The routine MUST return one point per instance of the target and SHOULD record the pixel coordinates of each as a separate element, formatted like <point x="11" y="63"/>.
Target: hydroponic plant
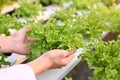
<point x="84" y="4"/>
<point x="28" y="9"/>
<point x="67" y="78"/>
<point x="71" y="30"/>
<point x="3" y="60"/>
<point x="104" y="60"/>
<point x="47" y="2"/>
<point x="54" y="36"/>
<point x="7" y="22"/>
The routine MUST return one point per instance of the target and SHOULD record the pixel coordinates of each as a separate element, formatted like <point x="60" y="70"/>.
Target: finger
<point x="29" y="41"/>
<point x="22" y="33"/>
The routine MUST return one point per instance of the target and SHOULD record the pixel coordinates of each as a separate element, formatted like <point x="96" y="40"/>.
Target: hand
<point x="50" y="60"/>
<point x="16" y="43"/>
<point x="58" y="58"/>
<point x="20" y="41"/>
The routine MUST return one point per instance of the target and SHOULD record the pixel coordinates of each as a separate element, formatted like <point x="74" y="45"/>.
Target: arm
<point x="17" y="72"/>
<point x="49" y="60"/>
<point x="17" y="43"/>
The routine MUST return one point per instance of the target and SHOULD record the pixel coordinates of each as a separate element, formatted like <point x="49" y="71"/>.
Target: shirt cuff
<point x="17" y="72"/>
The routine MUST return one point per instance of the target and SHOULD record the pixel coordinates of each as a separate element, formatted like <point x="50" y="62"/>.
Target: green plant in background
<point x="7" y="22"/>
<point x="109" y="17"/>
<point x="83" y="4"/>
<point x="108" y="2"/>
<point x="66" y="78"/>
<point x="88" y="26"/>
<point x="101" y="18"/>
<point x="60" y="1"/>
<point x="104" y="57"/>
<point x="113" y="19"/>
<point x="28" y="9"/>
<point x="47" y="2"/>
<point x="65" y="14"/>
<point x="89" y="23"/>
<point x="104" y="60"/>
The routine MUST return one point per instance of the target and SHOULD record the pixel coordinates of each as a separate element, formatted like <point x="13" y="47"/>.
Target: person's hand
<point x="20" y="41"/>
<point x="58" y="58"/>
<point x="17" y="42"/>
<point x="50" y="60"/>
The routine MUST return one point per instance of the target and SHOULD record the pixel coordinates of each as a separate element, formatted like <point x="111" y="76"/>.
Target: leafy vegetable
<point x="28" y="9"/>
<point x="71" y="29"/>
<point x="3" y="60"/>
<point x="6" y="22"/>
<point x="54" y="36"/>
<point x="65" y="14"/>
<point x="47" y="2"/>
<point x="66" y="78"/>
<point x="104" y="60"/>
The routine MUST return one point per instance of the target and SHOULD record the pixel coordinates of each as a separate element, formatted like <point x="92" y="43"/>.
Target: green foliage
<point x="65" y="14"/>
<point x="104" y="60"/>
<point x="83" y="4"/>
<point x="28" y="9"/>
<point x="89" y="24"/>
<point x="47" y="2"/>
<point x="113" y="19"/>
<point x="54" y="36"/>
<point x="66" y="78"/>
<point x="71" y="33"/>
<point x="6" y="22"/>
<point x="3" y="61"/>
<point x="108" y="2"/>
<point x="103" y="18"/>
<point x="68" y="30"/>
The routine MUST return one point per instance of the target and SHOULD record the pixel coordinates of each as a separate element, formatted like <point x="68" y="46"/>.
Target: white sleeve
<point x="17" y="72"/>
